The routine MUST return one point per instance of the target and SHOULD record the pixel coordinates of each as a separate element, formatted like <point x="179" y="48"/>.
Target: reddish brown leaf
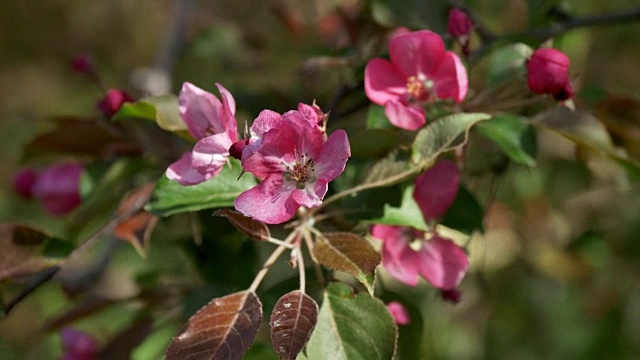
<point x="251" y="228"/>
<point x="223" y="329"/>
<point x="349" y="253"/>
<point x="293" y="319"/>
<point x="136" y="229"/>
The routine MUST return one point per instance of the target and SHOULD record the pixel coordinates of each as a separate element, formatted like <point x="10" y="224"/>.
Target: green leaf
<point x="385" y="168"/>
<point x="508" y="63"/>
<point x="408" y="214"/>
<point x="440" y="136"/>
<point x="350" y="253"/>
<point x="352" y="327"/>
<point x="465" y="214"/>
<point x="170" y="198"/>
<point x="513" y="135"/>
<point x="161" y="109"/>
<point x="377" y="119"/>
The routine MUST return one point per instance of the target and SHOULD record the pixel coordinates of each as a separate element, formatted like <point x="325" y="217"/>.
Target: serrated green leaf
<point x="508" y="63"/>
<point x="408" y="214"/>
<point x="170" y="198"/>
<point x="513" y="135"/>
<point x="352" y="327"/>
<point x="350" y="253"/>
<point x="386" y="168"/>
<point x="440" y="136"/>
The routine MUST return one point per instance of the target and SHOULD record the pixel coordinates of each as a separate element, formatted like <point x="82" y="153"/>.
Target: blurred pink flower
<point x="399" y="312"/>
<point x="82" y="64"/>
<point x="406" y="253"/>
<point x="23" y="182"/>
<point x="451" y="295"/>
<point x="436" y="189"/>
<point x="213" y="124"/>
<point x="420" y="72"/>
<point x="290" y="154"/>
<point x="113" y="101"/>
<point x="57" y="187"/>
<point x="460" y="27"/>
<point x="78" y="345"/>
<point x="548" y="73"/>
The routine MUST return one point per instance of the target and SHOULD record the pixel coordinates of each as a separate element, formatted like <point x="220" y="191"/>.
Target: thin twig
<point x="301" y="269"/>
<point x="270" y="261"/>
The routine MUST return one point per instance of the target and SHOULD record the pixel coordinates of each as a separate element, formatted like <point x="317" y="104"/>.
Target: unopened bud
<point x="548" y="73"/>
<point x="113" y="101"/>
<point x="460" y="27"/>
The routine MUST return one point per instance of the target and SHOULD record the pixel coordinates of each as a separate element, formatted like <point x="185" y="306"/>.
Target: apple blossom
<point x="57" y="187"/>
<point x="78" y="345"/>
<point x="548" y="73"/>
<point x="407" y="253"/>
<point x="290" y="154"/>
<point x="23" y="182"/>
<point x="212" y="123"/>
<point x="113" y="101"/>
<point x="420" y="71"/>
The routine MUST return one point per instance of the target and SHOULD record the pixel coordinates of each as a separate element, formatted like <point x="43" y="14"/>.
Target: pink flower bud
<point x="78" y="345"/>
<point x="548" y="73"/>
<point x="82" y="64"/>
<point x="23" y="182"/>
<point x="57" y="188"/>
<point x="459" y="23"/>
<point x="399" y="312"/>
<point x="236" y="149"/>
<point x="112" y="102"/>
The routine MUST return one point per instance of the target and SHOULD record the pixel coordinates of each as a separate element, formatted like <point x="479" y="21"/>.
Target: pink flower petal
<point x="184" y="173"/>
<point x="311" y="196"/>
<point x="405" y="116"/>
<point x="418" y="52"/>
<point x="436" y="189"/>
<point x="265" y="121"/>
<point x="228" y="112"/>
<point x="400" y="260"/>
<point x="211" y="153"/>
<point x="311" y="113"/>
<point x="442" y="263"/>
<point x="23" y="182"/>
<point x="451" y="80"/>
<point x="201" y="111"/>
<point x="270" y="201"/>
<point x="399" y="313"/>
<point x="383" y="82"/>
<point x="333" y="156"/>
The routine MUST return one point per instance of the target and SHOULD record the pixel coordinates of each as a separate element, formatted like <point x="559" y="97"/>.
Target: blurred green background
<point x="555" y="276"/>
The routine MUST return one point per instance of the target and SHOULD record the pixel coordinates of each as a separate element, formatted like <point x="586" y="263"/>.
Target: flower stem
<point x="271" y="260"/>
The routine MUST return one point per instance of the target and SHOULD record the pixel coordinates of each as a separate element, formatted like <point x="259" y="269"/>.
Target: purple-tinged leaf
<point x="253" y="229"/>
<point x="223" y="329"/>
<point x="349" y="253"/>
<point x="292" y="321"/>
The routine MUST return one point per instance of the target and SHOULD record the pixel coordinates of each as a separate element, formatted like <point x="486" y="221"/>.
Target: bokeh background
<point x="555" y="276"/>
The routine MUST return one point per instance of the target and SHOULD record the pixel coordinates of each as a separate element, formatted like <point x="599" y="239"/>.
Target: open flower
<point x="213" y="124"/>
<point x="290" y="154"/>
<point x="548" y="73"/>
<point x="406" y="253"/>
<point x="420" y="72"/>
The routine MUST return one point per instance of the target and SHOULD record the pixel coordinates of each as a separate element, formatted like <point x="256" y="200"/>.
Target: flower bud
<point x="57" y="188"/>
<point x="548" y="73"/>
<point x="78" y="345"/>
<point x="460" y="27"/>
<point x="23" y="182"/>
<point x="236" y="149"/>
<point x="399" y="313"/>
<point x="112" y="102"/>
<point x="451" y="295"/>
<point x="82" y="64"/>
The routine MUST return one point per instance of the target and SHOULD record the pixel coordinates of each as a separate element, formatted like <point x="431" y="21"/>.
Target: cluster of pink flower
<point x="290" y="152"/>
<point x="56" y="186"/>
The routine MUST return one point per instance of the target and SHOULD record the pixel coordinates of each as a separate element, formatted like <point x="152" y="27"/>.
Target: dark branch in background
<point x="566" y="22"/>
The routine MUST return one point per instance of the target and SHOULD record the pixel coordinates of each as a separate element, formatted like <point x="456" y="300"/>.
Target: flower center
<point x="418" y="87"/>
<point x="301" y="171"/>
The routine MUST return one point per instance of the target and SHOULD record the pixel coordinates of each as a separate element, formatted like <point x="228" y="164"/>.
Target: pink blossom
<point x="82" y="64"/>
<point x="420" y="72"/>
<point x="451" y="295"/>
<point x="113" y="101"/>
<point x="57" y="188"/>
<point x="406" y="253"/>
<point x="212" y="123"/>
<point x="78" y="345"/>
<point x="436" y="189"/>
<point x="548" y="73"/>
<point x="23" y="182"/>
<point x="460" y="27"/>
<point x="399" y="313"/>
<point x="290" y="154"/>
